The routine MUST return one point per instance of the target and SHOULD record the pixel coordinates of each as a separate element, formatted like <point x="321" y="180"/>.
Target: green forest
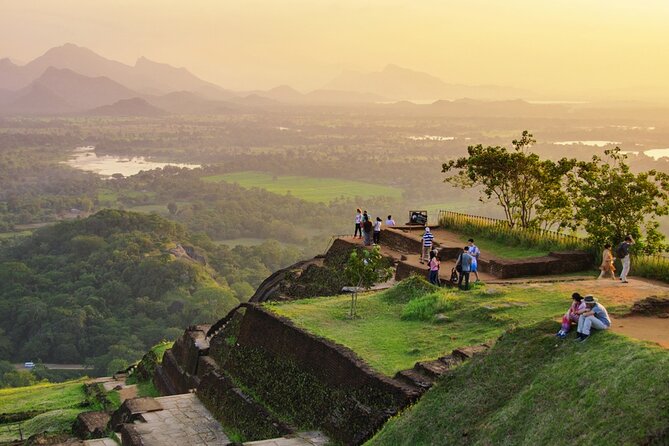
<point x="103" y="289"/>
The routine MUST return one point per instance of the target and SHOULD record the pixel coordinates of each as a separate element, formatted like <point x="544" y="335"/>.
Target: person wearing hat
<point x="427" y="245"/>
<point x="595" y="316"/>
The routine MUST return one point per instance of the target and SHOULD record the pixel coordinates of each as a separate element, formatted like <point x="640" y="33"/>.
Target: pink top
<point x="575" y="306"/>
<point x="434" y="265"/>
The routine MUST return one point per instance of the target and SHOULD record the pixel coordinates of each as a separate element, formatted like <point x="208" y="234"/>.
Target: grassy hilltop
<point x="529" y="389"/>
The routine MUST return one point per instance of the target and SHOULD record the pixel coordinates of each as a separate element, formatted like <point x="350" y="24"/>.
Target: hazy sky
<point x="558" y="45"/>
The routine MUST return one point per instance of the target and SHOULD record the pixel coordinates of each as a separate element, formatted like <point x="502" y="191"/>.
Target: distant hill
<point x="399" y="83"/>
<point x="186" y="102"/>
<point x="62" y="91"/>
<point x="127" y="107"/>
<point x="36" y="99"/>
<point x="145" y="76"/>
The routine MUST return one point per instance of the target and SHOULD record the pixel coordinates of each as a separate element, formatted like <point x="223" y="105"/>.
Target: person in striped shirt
<point x="427" y="245"/>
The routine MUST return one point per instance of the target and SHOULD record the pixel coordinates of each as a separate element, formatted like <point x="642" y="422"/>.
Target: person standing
<point x="377" y="230"/>
<point x="427" y="244"/>
<point x="434" y="264"/>
<point x="607" y="263"/>
<point x="390" y="221"/>
<point x="465" y="263"/>
<point x="358" y="223"/>
<point x="623" y="253"/>
<point x="367" y="228"/>
<point x="595" y="316"/>
<point x="475" y="252"/>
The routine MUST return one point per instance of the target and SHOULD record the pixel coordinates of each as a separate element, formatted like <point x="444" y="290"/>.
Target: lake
<point x="85" y="158"/>
<point x="587" y="143"/>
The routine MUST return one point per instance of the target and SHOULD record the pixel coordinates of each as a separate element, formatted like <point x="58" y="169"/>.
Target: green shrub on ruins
<point x="531" y="389"/>
<point x="424" y="308"/>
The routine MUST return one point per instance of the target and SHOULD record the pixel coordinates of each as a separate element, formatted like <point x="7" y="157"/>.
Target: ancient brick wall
<point x="312" y="380"/>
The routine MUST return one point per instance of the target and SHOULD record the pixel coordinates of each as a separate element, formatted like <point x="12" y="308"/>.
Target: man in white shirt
<point x="390" y="221"/>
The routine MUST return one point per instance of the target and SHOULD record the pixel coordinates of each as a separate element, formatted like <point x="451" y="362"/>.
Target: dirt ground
<point x="646" y="328"/>
<point x="615" y="293"/>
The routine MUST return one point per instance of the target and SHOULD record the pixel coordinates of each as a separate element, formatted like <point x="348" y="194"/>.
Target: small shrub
<point x="409" y="289"/>
<point x="424" y="308"/>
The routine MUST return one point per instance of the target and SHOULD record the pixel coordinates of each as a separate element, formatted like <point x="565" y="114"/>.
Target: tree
<point x="612" y="202"/>
<point x="365" y="268"/>
<point x="529" y="190"/>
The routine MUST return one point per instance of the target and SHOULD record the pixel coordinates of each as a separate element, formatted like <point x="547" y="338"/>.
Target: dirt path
<point x="645" y="328"/>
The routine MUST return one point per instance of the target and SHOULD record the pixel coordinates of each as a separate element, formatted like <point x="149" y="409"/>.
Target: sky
<point x="556" y="46"/>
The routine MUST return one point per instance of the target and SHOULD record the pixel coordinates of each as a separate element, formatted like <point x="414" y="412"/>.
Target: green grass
<point x="54" y="421"/>
<point x="15" y="234"/>
<point x="307" y="188"/>
<point x="56" y="404"/>
<point x="42" y="397"/>
<point x="531" y="389"/>
<point x="389" y="342"/>
<point x="499" y="249"/>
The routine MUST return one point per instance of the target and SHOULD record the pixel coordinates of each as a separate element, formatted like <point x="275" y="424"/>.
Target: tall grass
<point x="500" y="231"/>
<point x="651" y="267"/>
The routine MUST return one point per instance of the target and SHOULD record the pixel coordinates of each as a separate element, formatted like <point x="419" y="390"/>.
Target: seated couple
<point x="587" y="314"/>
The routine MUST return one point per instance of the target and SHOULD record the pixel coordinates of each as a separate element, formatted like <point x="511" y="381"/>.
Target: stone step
<point x="101" y="442"/>
<point x="433" y="369"/>
<point x="415" y="378"/>
<point x="450" y="361"/>
<point x="465" y="353"/>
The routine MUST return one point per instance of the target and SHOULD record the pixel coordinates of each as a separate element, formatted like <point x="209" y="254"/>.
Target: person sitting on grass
<point x="572" y="315"/>
<point x="464" y="263"/>
<point x="595" y="316"/>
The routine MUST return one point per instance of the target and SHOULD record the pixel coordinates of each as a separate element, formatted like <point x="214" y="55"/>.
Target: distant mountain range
<point x="74" y="80"/>
<point x="399" y="83"/>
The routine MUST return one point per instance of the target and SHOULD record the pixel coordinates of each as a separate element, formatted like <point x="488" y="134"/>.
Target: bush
<point x="424" y="308"/>
<point x="409" y="289"/>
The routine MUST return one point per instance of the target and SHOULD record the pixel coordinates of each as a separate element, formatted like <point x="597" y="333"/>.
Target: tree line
<point x="601" y="196"/>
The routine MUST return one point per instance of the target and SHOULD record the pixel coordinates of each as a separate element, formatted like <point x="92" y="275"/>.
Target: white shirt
<point x="390" y="222"/>
<point x="377" y="226"/>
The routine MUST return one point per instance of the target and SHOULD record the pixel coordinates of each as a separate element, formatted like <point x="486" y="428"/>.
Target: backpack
<point x="454" y="276"/>
<point x="620" y="253"/>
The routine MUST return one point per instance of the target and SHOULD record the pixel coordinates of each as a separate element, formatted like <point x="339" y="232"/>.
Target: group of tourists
<point x="623" y="253"/>
<point x="586" y="313"/>
<point x="368" y="231"/>
<point x="466" y="263"/>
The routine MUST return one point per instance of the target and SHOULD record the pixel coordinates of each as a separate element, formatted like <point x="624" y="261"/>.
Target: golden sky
<point x="547" y="46"/>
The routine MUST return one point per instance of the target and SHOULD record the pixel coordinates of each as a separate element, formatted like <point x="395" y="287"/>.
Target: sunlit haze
<point x="614" y="49"/>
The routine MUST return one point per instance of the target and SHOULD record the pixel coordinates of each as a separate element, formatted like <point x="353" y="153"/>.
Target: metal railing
<point x="500" y="230"/>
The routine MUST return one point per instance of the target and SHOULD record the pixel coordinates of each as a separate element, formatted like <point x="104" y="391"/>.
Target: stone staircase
<point x="424" y="373"/>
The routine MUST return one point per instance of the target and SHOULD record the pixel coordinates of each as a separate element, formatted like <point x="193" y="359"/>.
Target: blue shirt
<point x="427" y="239"/>
<point x="601" y="314"/>
<point x="466" y="262"/>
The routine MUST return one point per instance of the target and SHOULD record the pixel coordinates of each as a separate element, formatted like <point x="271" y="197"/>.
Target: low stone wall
<point x="552" y="264"/>
<point x="403" y="240"/>
<point x="178" y="371"/>
<point x="311" y="381"/>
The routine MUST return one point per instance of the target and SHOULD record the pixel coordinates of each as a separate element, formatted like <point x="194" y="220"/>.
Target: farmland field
<point x="308" y="188"/>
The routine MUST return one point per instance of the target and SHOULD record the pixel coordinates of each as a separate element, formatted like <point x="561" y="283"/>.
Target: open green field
<point x="307" y="188"/>
<point x="396" y="327"/>
<point x="42" y="397"/>
<point x="56" y="406"/>
<point x="530" y="389"/>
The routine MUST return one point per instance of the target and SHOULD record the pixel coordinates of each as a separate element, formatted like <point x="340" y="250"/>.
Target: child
<point x="433" y="264"/>
<point x="377" y="230"/>
<point x="577" y="307"/>
<point x="607" y="263"/>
